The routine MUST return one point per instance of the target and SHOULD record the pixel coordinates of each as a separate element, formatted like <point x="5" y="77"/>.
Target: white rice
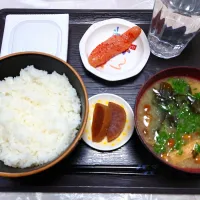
<point x="39" y="117"/>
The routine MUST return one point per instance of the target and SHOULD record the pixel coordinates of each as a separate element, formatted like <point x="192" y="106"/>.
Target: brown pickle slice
<point x="101" y="122"/>
<point x="118" y="120"/>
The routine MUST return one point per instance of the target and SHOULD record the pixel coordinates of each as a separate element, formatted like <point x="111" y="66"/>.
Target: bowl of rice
<point x="43" y="112"/>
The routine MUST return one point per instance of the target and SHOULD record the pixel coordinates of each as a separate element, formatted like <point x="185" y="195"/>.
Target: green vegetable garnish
<point x="180" y="86"/>
<point x="197" y="95"/>
<point x="189" y="122"/>
<point x="180" y="152"/>
<point x="161" y="142"/>
<point x="181" y="117"/>
<point x="197" y="148"/>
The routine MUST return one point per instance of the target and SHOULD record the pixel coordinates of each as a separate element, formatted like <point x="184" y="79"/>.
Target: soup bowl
<point x="167" y="73"/>
<point x="11" y="65"/>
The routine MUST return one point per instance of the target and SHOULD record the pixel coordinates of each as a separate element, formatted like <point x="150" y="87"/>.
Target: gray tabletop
<point x="79" y="196"/>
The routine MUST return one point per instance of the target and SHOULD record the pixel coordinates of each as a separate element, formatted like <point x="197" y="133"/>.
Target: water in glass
<point x="174" y="24"/>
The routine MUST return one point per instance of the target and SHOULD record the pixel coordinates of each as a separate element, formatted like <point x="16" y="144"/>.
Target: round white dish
<point x="126" y="134"/>
<point x="129" y="63"/>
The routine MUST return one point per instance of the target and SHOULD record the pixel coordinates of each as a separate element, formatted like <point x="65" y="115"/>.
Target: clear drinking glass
<point x="174" y="24"/>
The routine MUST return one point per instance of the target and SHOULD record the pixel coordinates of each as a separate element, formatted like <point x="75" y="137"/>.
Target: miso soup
<point x="169" y="120"/>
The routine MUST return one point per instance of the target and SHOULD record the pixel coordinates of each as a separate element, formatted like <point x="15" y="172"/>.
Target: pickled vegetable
<point x="118" y="120"/>
<point x="101" y="122"/>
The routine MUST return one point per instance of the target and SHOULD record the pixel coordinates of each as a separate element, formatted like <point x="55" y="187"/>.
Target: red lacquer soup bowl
<point x="167" y="73"/>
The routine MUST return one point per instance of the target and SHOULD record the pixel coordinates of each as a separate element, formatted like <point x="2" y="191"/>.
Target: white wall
<point x="78" y="4"/>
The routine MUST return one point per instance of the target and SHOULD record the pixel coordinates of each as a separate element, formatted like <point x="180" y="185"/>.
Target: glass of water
<point x="174" y="24"/>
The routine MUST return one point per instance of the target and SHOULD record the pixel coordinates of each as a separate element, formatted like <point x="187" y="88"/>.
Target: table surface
<point x="85" y="4"/>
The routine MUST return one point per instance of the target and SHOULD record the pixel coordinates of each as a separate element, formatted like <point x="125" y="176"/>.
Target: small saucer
<point x="122" y="66"/>
<point x="126" y="134"/>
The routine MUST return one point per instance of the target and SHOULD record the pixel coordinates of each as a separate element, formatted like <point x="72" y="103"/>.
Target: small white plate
<point x="126" y="134"/>
<point x="130" y="62"/>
